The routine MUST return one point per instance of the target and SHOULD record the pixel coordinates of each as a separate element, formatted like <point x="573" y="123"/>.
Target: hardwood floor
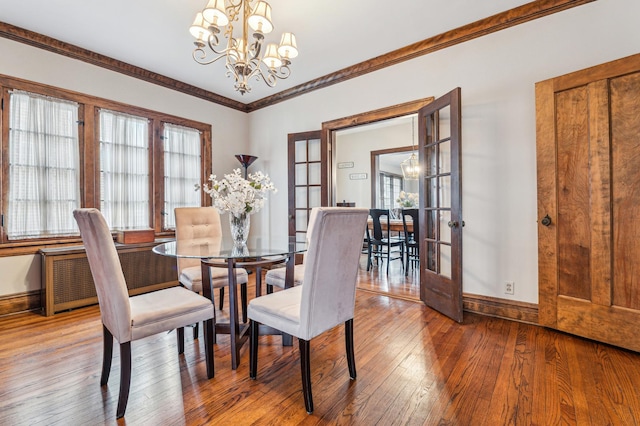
<point x="414" y="367"/>
<point x="395" y="284"/>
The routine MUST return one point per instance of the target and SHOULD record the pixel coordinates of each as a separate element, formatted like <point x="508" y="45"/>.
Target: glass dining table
<point x="259" y="252"/>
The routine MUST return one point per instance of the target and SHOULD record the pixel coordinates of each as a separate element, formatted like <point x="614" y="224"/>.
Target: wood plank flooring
<point x="414" y="367"/>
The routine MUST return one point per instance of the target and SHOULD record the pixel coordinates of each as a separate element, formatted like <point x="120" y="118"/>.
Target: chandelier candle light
<point x="243" y="57"/>
<point x="240" y="198"/>
<point x="411" y="166"/>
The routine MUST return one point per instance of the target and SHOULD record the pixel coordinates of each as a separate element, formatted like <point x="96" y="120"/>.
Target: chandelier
<point x="411" y="166"/>
<point x="245" y="59"/>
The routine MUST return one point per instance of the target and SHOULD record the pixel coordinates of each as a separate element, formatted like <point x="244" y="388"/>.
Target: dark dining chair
<point x="381" y="245"/>
<point x="411" y="239"/>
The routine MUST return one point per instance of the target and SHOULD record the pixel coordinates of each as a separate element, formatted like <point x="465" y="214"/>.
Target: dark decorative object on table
<point x="246" y="160"/>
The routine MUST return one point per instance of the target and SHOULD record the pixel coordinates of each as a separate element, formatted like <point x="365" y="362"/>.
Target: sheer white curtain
<point x="182" y="160"/>
<point x="43" y="166"/>
<point x="124" y="170"/>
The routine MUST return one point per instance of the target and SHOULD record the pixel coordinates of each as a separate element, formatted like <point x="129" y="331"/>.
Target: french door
<point x="441" y="205"/>
<point x="307" y="177"/>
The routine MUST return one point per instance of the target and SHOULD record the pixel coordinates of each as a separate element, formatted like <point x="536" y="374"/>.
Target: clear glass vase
<point x="239" y="228"/>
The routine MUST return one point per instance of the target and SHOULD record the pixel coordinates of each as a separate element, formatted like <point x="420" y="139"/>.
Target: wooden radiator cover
<point x="67" y="282"/>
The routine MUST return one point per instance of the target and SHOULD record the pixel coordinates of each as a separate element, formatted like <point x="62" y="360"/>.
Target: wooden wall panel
<point x="625" y="137"/>
<point x="574" y="237"/>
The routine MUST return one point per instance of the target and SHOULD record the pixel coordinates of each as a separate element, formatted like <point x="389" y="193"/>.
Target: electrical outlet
<point x="509" y="287"/>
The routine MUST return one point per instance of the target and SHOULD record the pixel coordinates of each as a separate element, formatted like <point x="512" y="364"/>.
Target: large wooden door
<point x="307" y="177"/>
<point x="441" y="205"/>
<point x="588" y="153"/>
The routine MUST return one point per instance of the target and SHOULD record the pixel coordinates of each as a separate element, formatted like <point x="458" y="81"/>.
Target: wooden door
<point x="441" y="205"/>
<point x="307" y="177"/>
<point x="588" y="153"/>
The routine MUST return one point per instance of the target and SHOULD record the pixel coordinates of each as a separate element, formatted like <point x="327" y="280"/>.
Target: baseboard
<point x="21" y="302"/>
<point x="501" y="308"/>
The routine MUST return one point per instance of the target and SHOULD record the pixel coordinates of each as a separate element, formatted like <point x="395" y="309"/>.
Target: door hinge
<point x="2" y="221"/>
<point x="2" y="104"/>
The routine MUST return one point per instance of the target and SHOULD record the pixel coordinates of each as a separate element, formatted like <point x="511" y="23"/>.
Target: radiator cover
<point x="67" y="282"/>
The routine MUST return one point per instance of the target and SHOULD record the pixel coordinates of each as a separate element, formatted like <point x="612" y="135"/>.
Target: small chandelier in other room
<point x="411" y="166"/>
<point x="244" y="58"/>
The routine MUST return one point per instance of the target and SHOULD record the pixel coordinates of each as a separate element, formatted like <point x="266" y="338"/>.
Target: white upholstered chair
<point x="326" y="297"/>
<point x="195" y="226"/>
<point x="276" y="277"/>
<point x="131" y="318"/>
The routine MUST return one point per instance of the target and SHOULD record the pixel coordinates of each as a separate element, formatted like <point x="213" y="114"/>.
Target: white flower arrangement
<point x="237" y="195"/>
<point x="408" y="199"/>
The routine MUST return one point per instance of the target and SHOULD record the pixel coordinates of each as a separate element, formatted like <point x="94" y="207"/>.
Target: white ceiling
<point x="331" y="34"/>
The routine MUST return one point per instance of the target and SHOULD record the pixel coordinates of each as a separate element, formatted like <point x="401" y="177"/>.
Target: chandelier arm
<point x="212" y="45"/>
<point x="201" y="57"/>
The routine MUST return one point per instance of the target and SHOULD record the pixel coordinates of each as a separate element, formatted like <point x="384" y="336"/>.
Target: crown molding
<point x="53" y="45"/>
<point x="510" y="18"/>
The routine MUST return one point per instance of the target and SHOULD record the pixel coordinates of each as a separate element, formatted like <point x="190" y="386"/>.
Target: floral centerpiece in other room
<point x="240" y="198"/>
<point x="408" y="200"/>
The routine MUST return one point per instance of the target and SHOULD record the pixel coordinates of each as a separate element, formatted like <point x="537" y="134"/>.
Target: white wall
<point x="497" y="74"/>
<point x="356" y="147"/>
<point x="229" y="127"/>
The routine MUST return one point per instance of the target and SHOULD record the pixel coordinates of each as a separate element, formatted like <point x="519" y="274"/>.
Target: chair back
<point x="106" y="270"/>
<point x="413" y="213"/>
<point x="196" y="226"/>
<point x="331" y="268"/>
<point x="377" y="215"/>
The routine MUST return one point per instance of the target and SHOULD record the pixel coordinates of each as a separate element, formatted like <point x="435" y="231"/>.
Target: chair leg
<point x="305" y="367"/>
<point x="125" y="378"/>
<point x="348" y="337"/>
<point x="107" y="354"/>
<point x="243" y="299"/>
<point x="388" y="258"/>
<point x="369" y="253"/>
<point x="196" y="331"/>
<point x="406" y="268"/>
<point x="253" y="350"/>
<point x="221" y="298"/>
<point x="180" y="335"/>
<point x="209" y="336"/>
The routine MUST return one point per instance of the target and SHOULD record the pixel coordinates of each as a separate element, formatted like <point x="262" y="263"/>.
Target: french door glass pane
<point x="445" y="260"/>
<point x="301" y="197"/>
<point x="301" y="151"/>
<point x="314" y="196"/>
<point x="445" y="231"/>
<point x="314" y="174"/>
<point x="314" y="150"/>
<point x="445" y="157"/>
<point x="301" y="174"/>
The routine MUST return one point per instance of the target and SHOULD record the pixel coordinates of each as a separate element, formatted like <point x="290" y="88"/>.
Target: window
<point x="124" y="170"/>
<point x="182" y="160"/>
<point x="390" y="187"/>
<point x="44" y="164"/>
<point x="65" y="150"/>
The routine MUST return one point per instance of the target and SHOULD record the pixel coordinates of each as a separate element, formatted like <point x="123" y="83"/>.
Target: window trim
<point x="88" y="134"/>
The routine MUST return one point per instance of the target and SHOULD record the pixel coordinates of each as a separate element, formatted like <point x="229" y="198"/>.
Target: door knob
<point x="546" y="221"/>
<point x="453" y="224"/>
